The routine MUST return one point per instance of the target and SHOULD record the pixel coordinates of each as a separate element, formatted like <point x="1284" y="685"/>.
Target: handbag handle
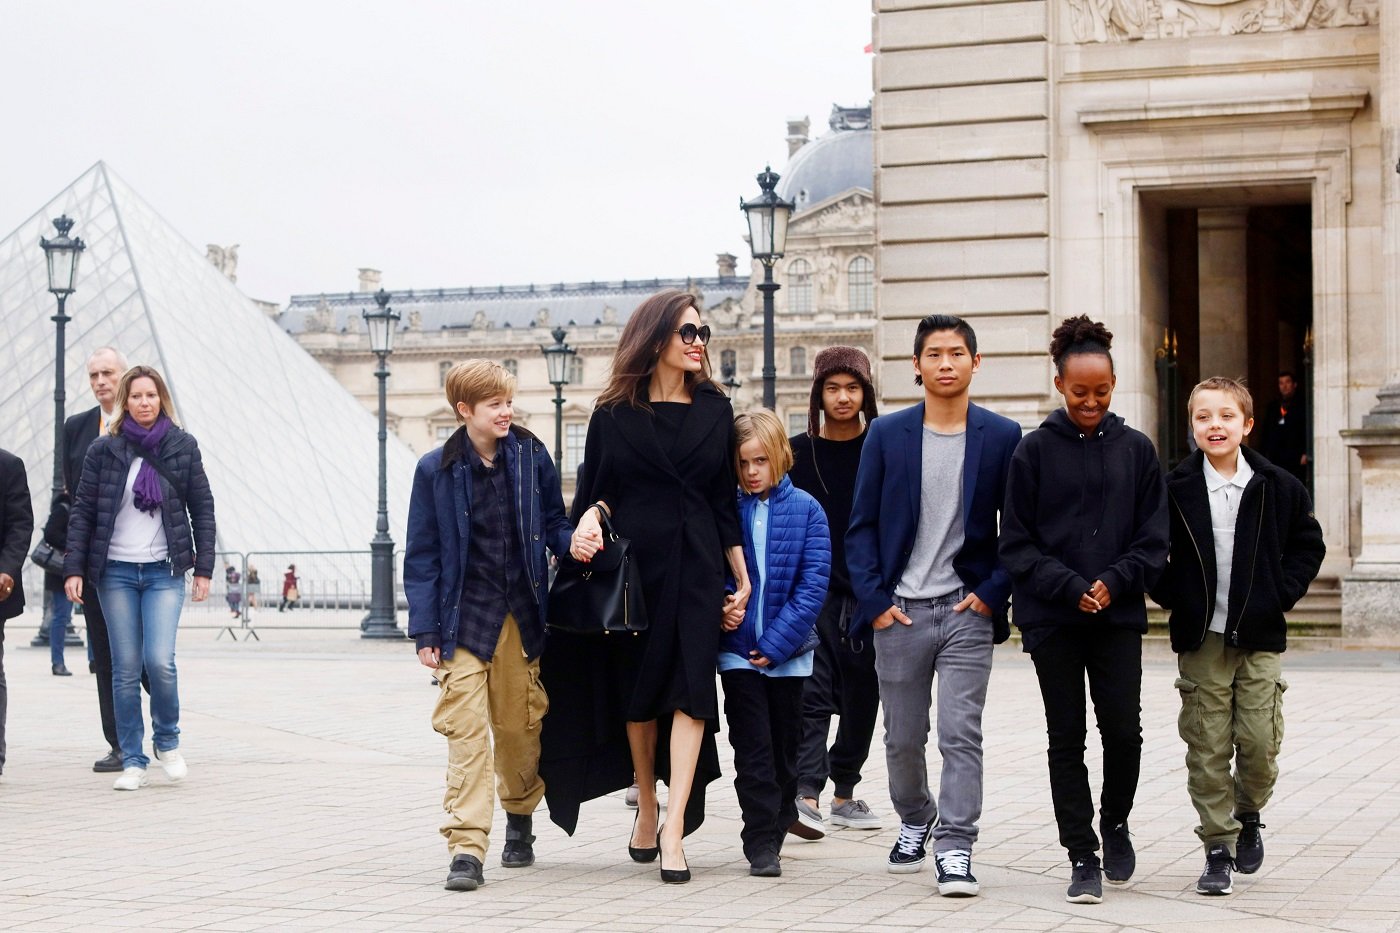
<point x="608" y="532"/>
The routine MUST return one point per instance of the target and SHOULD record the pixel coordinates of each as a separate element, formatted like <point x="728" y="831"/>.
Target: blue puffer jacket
<point x="99" y="497"/>
<point x="799" y="567"/>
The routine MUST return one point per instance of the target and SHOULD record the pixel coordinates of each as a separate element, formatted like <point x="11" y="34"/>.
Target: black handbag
<point x="48" y="557"/>
<point x="601" y="597"/>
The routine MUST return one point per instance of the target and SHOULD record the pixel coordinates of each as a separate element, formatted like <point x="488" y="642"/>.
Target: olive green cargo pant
<point x="1231" y="707"/>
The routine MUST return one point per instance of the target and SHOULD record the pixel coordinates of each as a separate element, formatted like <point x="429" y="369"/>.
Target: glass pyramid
<point x="292" y="457"/>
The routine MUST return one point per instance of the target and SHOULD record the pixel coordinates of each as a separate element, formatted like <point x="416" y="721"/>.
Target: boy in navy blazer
<point x="922" y="552"/>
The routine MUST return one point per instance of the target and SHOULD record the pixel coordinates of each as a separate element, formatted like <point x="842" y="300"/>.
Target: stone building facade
<point x="1209" y="177"/>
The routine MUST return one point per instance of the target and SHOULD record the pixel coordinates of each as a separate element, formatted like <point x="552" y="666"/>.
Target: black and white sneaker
<point x="1249" y="847"/>
<point x="955" y="873"/>
<point x="1085" y="882"/>
<point x="1119" y="859"/>
<point x="464" y="874"/>
<point x="907" y="856"/>
<point x="1215" y="880"/>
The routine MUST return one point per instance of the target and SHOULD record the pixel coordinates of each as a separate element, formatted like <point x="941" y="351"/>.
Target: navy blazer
<point x="885" y="513"/>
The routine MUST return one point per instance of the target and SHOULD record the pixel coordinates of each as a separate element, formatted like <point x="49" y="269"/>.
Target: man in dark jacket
<point x="1245" y="545"/>
<point x="484" y="508"/>
<point x="1286" y="429"/>
<point x="16" y="528"/>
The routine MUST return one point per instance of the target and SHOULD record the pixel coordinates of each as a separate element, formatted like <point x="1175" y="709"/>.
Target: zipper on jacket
<point x="1200" y="562"/>
<point x="1253" y="563"/>
<point x="520" y="518"/>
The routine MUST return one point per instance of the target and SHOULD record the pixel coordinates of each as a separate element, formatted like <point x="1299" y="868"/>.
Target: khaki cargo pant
<point x="1231" y="706"/>
<point x="504" y="695"/>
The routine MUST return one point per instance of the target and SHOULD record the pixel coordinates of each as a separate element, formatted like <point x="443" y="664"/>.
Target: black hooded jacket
<point x="1278" y="550"/>
<point x="1081" y="508"/>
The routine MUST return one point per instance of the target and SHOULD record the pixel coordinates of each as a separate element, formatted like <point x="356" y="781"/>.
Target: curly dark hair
<point x="1078" y="335"/>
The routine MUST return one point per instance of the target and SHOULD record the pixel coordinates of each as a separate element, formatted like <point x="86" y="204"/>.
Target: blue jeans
<point x="60" y="612"/>
<point x="142" y="605"/>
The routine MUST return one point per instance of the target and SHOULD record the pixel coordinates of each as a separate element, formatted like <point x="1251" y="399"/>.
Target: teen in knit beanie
<point x="829" y="362"/>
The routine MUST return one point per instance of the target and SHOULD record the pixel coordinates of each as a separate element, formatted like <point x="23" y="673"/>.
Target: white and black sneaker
<point x="1085" y="882"/>
<point x="1215" y="880"/>
<point x="907" y="856"/>
<point x="955" y="873"/>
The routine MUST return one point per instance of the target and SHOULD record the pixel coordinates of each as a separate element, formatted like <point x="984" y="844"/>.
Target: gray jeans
<point x="957" y="646"/>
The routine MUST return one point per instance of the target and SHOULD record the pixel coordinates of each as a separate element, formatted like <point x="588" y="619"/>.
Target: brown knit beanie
<point x="829" y="362"/>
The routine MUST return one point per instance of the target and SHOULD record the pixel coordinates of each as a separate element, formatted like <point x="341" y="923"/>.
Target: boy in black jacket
<point x="1244" y="547"/>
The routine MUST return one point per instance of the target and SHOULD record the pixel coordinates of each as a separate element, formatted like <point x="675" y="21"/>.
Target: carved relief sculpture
<point x="1121" y="20"/>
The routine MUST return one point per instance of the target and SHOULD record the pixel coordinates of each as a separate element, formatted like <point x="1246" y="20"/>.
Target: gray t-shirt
<point x="939" y="535"/>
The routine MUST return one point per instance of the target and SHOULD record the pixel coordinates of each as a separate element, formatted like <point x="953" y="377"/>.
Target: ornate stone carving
<point x="223" y="258"/>
<point x="322" y="319"/>
<point x="1125" y="20"/>
<point x="415" y="320"/>
<point x="855" y="212"/>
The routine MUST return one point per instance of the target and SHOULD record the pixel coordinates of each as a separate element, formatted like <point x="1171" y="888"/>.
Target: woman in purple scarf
<point x="142" y="517"/>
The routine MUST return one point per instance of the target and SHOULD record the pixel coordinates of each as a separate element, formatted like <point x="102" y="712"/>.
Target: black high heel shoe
<point x="645" y="855"/>
<point x="669" y="875"/>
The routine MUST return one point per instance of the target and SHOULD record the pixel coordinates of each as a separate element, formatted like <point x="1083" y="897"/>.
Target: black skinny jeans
<point x="844" y="684"/>
<point x="96" y="624"/>
<point x="1111" y="657"/>
<point x="764" y="715"/>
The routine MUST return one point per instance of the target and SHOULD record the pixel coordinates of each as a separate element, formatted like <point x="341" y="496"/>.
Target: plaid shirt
<point x="495" y="582"/>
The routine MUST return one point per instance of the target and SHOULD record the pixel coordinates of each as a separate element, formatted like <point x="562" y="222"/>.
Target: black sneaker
<point x="955" y="873"/>
<point x="519" y="851"/>
<point x="464" y="874"/>
<point x="907" y="856"/>
<point x="1119" y="859"/>
<point x="1215" y="880"/>
<point x="1249" y="847"/>
<point x="112" y="762"/>
<point x="765" y="864"/>
<point x="1085" y="882"/>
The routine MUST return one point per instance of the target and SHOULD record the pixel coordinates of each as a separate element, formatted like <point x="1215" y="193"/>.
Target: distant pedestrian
<point x="16" y="528"/>
<point x="291" y="589"/>
<point x="1084" y="533"/>
<point x="1285" y="428"/>
<point x="60" y="610"/>
<point x="233" y="581"/>
<point x="254" y="586"/>
<point x="143" y="516"/>
<point x="1245" y="546"/>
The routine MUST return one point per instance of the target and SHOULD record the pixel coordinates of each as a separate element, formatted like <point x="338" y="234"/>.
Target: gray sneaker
<point x="809" y="823"/>
<point x="855" y="814"/>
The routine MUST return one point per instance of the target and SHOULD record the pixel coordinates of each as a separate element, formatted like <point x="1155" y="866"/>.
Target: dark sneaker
<point x="1085" y="882"/>
<point x="1249" y="847"/>
<point x="464" y="874"/>
<point x="1215" y="880"/>
<point x="907" y="856"/>
<point x="955" y="873"/>
<point x="765" y="864"/>
<point x="519" y="851"/>
<point x="855" y="814"/>
<point x="809" y="823"/>
<point x="112" y="763"/>
<point x="1119" y="859"/>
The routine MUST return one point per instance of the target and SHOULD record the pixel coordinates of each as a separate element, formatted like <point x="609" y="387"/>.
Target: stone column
<point x="1222" y="238"/>
<point x="1371" y="592"/>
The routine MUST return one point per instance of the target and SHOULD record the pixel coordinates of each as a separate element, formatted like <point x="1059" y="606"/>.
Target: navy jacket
<point x="885" y="513"/>
<point x="99" y="497"/>
<point x="1278" y="550"/>
<point x="799" y="567"/>
<point x="439" y="529"/>
<point x="16" y="528"/>
<point x="1081" y="508"/>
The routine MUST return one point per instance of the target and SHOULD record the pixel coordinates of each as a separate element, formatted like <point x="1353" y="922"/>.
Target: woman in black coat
<point x="659" y="461"/>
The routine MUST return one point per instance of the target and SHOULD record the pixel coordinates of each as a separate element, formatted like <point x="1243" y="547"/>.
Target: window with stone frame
<point x="728" y="361"/>
<point x="575" y="433"/>
<point x="860" y="284"/>
<point x="797" y="361"/>
<point x="444" y="431"/>
<point x="796" y="423"/>
<point x="444" y="368"/>
<point x="799" y="287"/>
<point x="575" y="370"/>
<point x="511" y="366"/>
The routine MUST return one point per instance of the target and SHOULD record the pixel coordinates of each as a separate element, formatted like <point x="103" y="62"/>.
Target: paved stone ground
<point x="312" y="803"/>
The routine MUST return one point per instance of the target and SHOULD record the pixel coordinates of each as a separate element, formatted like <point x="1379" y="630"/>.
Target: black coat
<point x="678" y="509"/>
<point x="99" y="496"/>
<point x="1278" y="550"/>
<point x="56" y="536"/>
<point x="79" y="432"/>
<point x="16" y="528"/>
<point x="1078" y="509"/>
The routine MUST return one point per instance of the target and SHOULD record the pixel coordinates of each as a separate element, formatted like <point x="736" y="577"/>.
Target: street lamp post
<point x="381" y="620"/>
<point x="768" y="221"/>
<point x="557" y="358"/>
<point x="61" y="256"/>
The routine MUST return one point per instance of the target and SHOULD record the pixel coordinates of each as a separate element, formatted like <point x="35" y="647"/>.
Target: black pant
<point x="844" y="684"/>
<point x="101" y="661"/>
<point x="1112" y="659"/>
<point x="764" y="717"/>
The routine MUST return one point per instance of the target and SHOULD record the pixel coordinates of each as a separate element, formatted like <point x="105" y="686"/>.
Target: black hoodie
<point x="1278" y="550"/>
<point x="1079" y="508"/>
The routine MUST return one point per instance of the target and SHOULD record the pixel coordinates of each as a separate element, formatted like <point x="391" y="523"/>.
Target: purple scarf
<point x="146" y="493"/>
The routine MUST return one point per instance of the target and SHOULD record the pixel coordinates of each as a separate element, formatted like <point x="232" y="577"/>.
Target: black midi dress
<point x="667" y="474"/>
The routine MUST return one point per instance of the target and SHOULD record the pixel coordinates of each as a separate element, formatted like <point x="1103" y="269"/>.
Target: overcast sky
<point x="446" y="143"/>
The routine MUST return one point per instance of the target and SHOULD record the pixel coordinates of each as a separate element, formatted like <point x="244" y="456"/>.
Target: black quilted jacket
<point x="99" y="496"/>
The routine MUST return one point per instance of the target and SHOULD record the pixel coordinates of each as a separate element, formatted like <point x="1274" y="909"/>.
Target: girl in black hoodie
<point x="1083" y="535"/>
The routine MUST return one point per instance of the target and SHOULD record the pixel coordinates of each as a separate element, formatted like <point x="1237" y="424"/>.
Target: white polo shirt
<point x="1224" y="495"/>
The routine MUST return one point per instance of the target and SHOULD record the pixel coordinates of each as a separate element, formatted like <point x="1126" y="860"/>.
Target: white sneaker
<point x="132" y="778"/>
<point x="173" y="763"/>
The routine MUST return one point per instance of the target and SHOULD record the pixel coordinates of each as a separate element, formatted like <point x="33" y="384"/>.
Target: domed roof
<point x="832" y="164"/>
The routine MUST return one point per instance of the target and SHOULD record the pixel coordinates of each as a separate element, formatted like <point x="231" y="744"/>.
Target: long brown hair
<point x="648" y="331"/>
<point x="167" y="406"/>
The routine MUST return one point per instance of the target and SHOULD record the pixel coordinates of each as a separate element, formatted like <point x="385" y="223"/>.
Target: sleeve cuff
<point x="429" y="640"/>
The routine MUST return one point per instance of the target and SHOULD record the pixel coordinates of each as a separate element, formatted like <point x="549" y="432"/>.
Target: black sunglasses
<point x="689" y="333"/>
